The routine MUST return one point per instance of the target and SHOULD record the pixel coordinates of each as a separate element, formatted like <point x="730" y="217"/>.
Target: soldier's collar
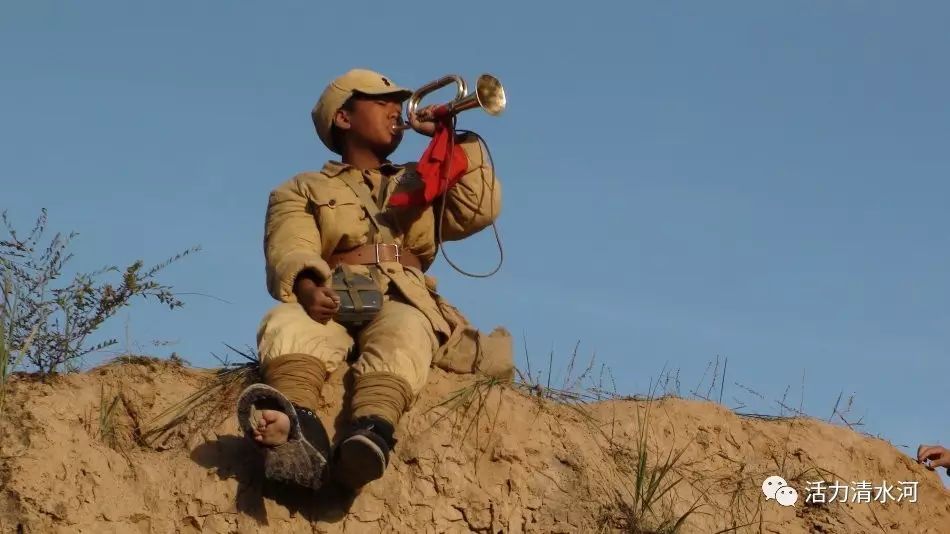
<point x="333" y="168"/>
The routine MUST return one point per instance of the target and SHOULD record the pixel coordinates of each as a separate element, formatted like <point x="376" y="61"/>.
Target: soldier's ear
<point x="341" y="119"/>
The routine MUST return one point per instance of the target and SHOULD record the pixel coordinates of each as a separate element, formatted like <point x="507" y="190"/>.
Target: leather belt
<point x="375" y="253"/>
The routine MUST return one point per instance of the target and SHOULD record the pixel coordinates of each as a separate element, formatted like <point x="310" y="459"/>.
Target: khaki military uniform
<point x="315" y="217"/>
<point x="340" y="217"/>
<point x="315" y="214"/>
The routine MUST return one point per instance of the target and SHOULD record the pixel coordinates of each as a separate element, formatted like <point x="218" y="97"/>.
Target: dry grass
<point x="654" y="477"/>
<point x="643" y="501"/>
<point x="467" y="408"/>
<point x="205" y="408"/>
<point x="108" y="424"/>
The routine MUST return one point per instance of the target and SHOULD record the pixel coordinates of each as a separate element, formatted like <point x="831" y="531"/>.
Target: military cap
<point x="339" y="90"/>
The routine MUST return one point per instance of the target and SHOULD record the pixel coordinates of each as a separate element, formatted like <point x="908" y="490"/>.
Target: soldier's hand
<point x="933" y="456"/>
<point x="424" y="120"/>
<point x="320" y="303"/>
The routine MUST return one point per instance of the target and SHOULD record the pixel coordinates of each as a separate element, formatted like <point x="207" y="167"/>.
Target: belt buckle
<point x="376" y="250"/>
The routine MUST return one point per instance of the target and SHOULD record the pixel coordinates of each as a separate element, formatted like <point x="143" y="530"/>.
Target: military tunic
<point x="316" y="214"/>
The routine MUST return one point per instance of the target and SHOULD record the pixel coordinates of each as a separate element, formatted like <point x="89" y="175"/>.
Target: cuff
<point x="292" y="264"/>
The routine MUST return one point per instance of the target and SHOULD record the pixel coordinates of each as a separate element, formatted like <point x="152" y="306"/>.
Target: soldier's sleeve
<point x="291" y="240"/>
<point x="474" y="202"/>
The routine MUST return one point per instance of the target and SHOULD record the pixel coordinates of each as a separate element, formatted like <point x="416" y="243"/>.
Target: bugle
<point x="489" y="96"/>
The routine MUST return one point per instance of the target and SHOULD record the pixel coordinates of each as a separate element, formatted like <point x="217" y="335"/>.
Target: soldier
<point x="336" y="228"/>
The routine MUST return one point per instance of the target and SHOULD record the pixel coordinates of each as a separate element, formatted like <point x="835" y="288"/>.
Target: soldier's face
<point x="372" y="120"/>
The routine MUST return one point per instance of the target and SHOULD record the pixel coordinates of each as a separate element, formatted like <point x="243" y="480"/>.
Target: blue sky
<point x="765" y="182"/>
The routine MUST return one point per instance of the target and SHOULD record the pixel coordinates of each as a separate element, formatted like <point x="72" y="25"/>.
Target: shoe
<point x="363" y="454"/>
<point x="303" y="459"/>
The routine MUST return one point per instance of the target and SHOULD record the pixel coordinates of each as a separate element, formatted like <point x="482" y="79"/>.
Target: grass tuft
<point x="645" y="503"/>
<point x="108" y="426"/>
<point x="207" y="406"/>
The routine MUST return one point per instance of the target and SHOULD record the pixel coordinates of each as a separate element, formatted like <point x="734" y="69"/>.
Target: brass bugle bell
<point x="489" y="96"/>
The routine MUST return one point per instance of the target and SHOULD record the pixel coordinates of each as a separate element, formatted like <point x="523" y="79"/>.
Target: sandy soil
<point x="81" y="454"/>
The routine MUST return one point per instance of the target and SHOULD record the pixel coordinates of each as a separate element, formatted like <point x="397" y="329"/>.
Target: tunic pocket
<point x="342" y="216"/>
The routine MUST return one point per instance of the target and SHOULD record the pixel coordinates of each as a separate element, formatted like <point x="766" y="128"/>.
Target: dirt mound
<point x="84" y="453"/>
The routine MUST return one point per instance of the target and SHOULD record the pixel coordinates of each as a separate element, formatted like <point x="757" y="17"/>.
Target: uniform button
<point x="332" y="202"/>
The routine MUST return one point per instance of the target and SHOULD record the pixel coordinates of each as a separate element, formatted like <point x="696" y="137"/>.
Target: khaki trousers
<point x="399" y="341"/>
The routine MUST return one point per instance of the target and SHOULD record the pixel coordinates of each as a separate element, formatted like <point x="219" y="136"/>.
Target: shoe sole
<point x="360" y="462"/>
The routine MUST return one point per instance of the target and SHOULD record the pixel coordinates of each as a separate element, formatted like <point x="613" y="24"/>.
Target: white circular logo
<point x="786" y="496"/>
<point x="772" y="485"/>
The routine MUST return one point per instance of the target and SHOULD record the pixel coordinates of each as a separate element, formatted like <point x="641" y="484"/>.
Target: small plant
<point x="108" y="430"/>
<point x="10" y="354"/>
<point x="49" y="325"/>
<point x="645" y="506"/>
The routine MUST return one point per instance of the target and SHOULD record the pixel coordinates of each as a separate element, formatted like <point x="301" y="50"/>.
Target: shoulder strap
<point x="359" y="188"/>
